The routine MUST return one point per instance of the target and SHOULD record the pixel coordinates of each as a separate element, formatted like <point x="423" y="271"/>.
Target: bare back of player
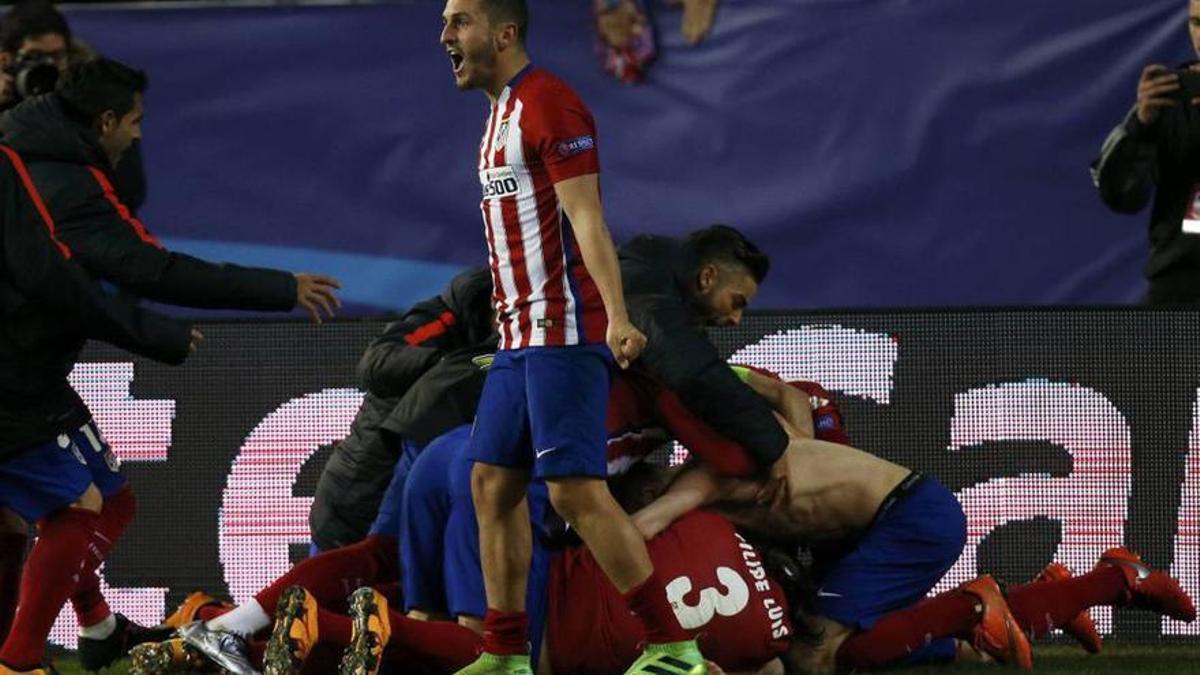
<point x="834" y="491"/>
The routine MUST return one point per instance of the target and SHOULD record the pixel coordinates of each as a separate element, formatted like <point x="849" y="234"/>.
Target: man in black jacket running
<point x="48" y="466"/>
<point x="72" y="140"/>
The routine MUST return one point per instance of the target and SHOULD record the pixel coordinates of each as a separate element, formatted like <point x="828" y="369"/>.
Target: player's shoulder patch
<point x="574" y="146"/>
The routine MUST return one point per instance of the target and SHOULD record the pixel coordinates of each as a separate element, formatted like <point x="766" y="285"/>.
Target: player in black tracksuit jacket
<point x="673" y="289"/>
<point x="48" y="306"/>
<point x="420" y="382"/>
<point x="71" y="140"/>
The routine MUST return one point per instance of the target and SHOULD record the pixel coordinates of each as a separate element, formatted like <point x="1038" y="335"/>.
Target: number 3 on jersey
<point x="734" y="599"/>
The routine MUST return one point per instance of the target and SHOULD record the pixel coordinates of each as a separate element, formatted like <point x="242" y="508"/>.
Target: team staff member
<point x="1152" y="152"/>
<point x="420" y="382"/>
<point x="71" y="141"/>
<point x="48" y="467"/>
<point x="677" y="287"/>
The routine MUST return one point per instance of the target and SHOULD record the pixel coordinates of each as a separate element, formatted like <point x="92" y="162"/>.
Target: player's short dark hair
<point x="515" y="11"/>
<point x="632" y="489"/>
<point x="795" y="579"/>
<point x="722" y="244"/>
<point x="31" y="19"/>
<point x="91" y="88"/>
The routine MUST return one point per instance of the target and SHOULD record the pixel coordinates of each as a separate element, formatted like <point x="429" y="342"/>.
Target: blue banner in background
<point x="884" y="152"/>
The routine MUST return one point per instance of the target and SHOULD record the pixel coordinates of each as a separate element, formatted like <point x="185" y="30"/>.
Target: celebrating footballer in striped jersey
<point x="558" y="299"/>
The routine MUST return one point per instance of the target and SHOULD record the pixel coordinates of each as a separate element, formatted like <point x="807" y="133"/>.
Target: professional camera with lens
<point x="33" y="73"/>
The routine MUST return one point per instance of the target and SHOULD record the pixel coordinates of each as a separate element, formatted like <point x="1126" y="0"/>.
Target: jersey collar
<point x="516" y="79"/>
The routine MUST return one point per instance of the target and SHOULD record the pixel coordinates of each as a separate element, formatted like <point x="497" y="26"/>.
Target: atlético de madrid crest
<point x="502" y="135"/>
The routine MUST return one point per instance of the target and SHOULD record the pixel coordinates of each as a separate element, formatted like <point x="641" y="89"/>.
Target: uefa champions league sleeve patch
<point x="575" y="146"/>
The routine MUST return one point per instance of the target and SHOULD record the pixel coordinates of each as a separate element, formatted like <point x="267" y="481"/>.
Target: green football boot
<point x="672" y="658"/>
<point x="490" y="664"/>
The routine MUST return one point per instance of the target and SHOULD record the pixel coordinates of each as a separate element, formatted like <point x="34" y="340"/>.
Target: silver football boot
<point x="227" y="650"/>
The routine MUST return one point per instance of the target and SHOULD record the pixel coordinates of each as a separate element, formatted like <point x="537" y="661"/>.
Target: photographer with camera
<point x="37" y="48"/>
<point x="1157" y="146"/>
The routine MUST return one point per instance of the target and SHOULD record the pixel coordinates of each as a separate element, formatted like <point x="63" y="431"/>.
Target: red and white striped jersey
<point x="539" y="133"/>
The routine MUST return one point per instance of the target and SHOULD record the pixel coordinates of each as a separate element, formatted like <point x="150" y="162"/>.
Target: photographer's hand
<point x="1155" y="92"/>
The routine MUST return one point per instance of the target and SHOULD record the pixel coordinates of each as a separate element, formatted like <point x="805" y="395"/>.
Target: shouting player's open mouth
<point x="456" y="59"/>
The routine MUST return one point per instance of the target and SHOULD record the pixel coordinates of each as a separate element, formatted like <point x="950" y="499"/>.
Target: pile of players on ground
<point x="880" y="537"/>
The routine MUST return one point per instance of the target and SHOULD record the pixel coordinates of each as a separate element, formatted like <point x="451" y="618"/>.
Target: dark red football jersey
<point x="717" y="586"/>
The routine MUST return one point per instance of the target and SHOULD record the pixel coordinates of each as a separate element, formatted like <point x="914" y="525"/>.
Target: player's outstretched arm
<point x="790" y="403"/>
<point x="580" y="200"/>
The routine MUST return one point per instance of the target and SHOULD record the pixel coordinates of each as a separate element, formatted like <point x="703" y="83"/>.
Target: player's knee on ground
<point x="90" y="500"/>
<point x="496" y="488"/>
<point x="575" y="498"/>
<point x="11" y="523"/>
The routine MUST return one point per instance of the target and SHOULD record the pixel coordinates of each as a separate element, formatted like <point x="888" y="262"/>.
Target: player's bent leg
<point x="49" y="579"/>
<point x="976" y="611"/>
<point x="621" y="552"/>
<point x="104" y="636"/>
<point x="1120" y="578"/>
<point x="374" y="560"/>
<point x="505" y="539"/>
<point x="604" y="526"/>
<point x="505" y="549"/>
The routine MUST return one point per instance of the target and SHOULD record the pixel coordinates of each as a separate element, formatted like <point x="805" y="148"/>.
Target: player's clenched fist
<point x="625" y="341"/>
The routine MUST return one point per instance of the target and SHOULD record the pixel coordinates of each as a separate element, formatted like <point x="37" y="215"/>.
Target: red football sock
<point x="115" y="517"/>
<point x="505" y="633"/>
<point x="894" y="636"/>
<point x="50" y="576"/>
<point x="441" y="644"/>
<point x="649" y="602"/>
<point x="334" y="575"/>
<point x="12" y="554"/>
<point x="90" y="606"/>
<point x="334" y="628"/>
<point x="1041" y="607"/>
